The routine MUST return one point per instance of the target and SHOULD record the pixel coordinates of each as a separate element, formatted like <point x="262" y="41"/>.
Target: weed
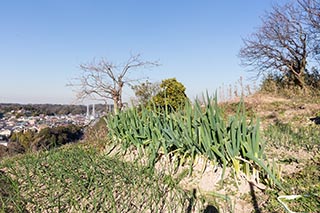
<point x="78" y="179"/>
<point x="284" y="135"/>
<point x="305" y="184"/>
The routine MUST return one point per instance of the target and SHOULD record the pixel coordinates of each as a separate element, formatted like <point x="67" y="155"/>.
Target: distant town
<point x="23" y="119"/>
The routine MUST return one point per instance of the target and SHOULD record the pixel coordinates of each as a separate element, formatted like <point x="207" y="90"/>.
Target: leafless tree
<point x="280" y="44"/>
<point x="312" y="12"/>
<point x="104" y="80"/>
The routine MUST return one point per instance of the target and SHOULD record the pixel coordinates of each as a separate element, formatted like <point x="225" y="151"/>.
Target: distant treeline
<point x="46" y="139"/>
<point x="49" y="109"/>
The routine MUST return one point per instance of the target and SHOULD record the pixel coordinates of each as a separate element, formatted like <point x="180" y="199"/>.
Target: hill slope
<point x="84" y="177"/>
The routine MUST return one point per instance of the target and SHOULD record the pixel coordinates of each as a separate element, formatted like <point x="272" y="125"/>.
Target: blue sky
<point x="43" y="42"/>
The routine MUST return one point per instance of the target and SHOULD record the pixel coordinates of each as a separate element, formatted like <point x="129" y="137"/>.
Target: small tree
<point x="172" y="95"/>
<point x="145" y="91"/>
<point x="104" y="80"/>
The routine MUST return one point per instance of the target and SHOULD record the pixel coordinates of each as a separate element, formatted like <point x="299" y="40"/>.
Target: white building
<point x="4" y="143"/>
<point x="5" y="132"/>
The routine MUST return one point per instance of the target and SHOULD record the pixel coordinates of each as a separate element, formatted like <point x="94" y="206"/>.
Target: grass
<point x="306" y="183"/>
<point x="74" y="179"/>
<point x="304" y="179"/>
<point x="293" y="138"/>
<point x="295" y="142"/>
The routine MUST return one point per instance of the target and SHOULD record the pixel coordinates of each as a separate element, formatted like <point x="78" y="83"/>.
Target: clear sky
<point x="43" y="42"/>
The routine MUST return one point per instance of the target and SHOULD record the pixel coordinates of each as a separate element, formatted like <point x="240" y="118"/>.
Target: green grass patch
<point x="293" y="138"/>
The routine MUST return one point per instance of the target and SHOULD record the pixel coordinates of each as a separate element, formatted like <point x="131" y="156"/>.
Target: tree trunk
<point x="115" y="105"/>
<point x="299" y="80"/>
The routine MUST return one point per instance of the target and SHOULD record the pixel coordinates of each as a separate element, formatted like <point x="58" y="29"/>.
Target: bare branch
<point x="103" y="80"/>
<point x="280" y="44"/>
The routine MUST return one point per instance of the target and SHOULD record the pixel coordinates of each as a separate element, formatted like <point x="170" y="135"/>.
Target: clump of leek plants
<point x="198" y="129"/>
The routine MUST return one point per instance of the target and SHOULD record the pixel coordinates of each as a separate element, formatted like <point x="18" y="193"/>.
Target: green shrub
<point x="171" y="97"/>
<point x="47" y="138"/>
<point x="279" y="84"/>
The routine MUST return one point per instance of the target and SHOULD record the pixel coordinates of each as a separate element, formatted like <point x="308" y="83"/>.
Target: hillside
<point x="291" y="130"/>
<point x="96" y="176"/>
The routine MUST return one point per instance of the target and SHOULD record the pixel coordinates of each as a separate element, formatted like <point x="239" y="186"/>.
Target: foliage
<point x="15" y="148"/>
<point x="77" y="179"/>
<point x="274" y="83"/>
<point x="312" y="78"/>
<point x="25" y="139"/>
<point x="145" y="91"/>
<point x="47" y="138"/>
<point x="171" y="96"/>
<point x="195" y="130"/>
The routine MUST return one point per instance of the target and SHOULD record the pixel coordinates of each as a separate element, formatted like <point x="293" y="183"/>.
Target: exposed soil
<point x="278" y="109"/>
<point x="245" y="196"/>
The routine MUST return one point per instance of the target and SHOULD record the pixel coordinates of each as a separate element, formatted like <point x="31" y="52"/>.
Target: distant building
<point x="109" y="108"/>
<point x="92" y="116"/>
<point x="4" y="143"/>
<point x="5" y="132"/>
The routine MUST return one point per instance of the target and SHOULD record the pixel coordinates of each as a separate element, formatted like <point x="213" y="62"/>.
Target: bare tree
<point x="104" y="80"/>
<point x="280" y="44"/>
<point x="312" y="12"/>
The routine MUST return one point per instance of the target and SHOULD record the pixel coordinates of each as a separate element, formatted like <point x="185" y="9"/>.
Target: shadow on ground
<point x="316" y="120"/>
<point x="254" y="199"/>
<point x="211" y="209"/>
